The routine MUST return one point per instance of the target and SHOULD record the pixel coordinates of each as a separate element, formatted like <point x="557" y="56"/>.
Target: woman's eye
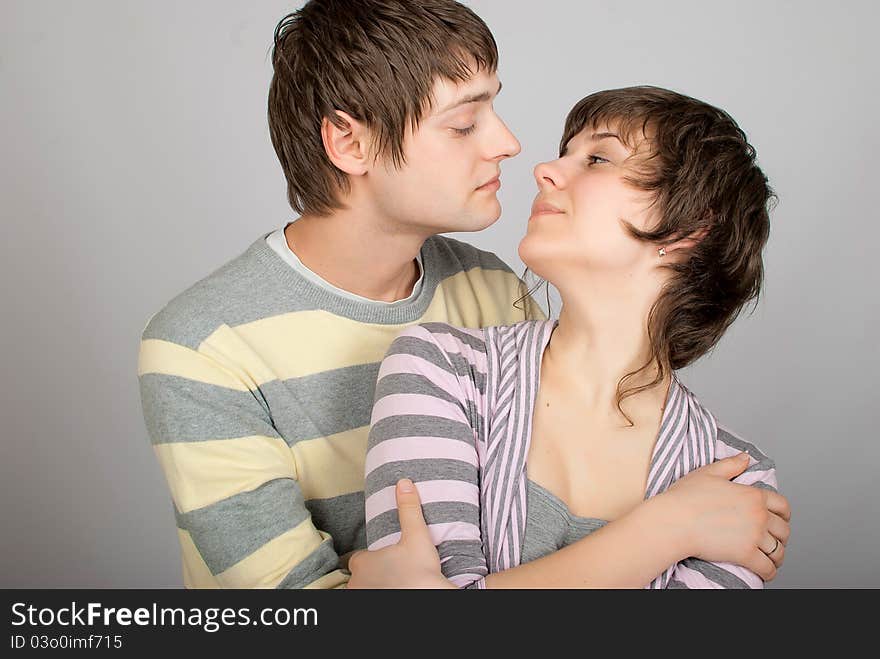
<point x="464" y="131"/>
<point x="595" y="160"/>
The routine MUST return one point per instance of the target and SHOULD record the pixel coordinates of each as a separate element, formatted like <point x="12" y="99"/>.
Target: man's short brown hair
<point x="376" y="60"/>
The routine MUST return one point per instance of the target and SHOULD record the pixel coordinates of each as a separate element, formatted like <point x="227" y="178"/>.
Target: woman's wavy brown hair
<point x="701" y="172"/>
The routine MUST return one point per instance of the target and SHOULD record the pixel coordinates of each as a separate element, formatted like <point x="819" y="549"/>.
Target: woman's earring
<point x="662" y="252"/>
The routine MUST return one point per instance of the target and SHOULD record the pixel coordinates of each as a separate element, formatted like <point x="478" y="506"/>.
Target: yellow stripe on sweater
<point x="166" y="358"/>
<point x="269" y="565"/>
<point x="305" y="343"/>
<point x="202" y="473"/>
<point x="342" y="455"/>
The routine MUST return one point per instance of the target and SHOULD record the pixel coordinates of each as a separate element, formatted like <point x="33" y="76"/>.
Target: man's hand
<point x="412" y="563"/>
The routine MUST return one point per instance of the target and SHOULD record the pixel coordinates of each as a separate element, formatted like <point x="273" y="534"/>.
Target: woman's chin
<point x="532" y="259"/>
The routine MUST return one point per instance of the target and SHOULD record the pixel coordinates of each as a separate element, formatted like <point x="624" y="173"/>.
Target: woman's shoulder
<point x="522" y="334"/>
<point x="728" y="443"/>
<point x="442" y="344"/>
<point x="458" y="336"/>
<point x="474" y="346"/>
<point x="445" y="335"/>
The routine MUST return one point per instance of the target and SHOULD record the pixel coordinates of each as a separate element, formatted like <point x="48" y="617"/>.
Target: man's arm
<point x="240" y="512"/>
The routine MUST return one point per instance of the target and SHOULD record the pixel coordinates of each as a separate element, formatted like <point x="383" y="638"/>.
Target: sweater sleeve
<point x="241" y="517"/>
<point x="423" y="427"/>
<point x="697" y="573"/>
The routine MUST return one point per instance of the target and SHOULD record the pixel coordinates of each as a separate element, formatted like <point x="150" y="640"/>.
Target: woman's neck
<point x="602" y="336"/>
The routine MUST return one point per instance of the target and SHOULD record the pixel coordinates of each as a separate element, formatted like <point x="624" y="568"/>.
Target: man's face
<point x="450" y="179"/>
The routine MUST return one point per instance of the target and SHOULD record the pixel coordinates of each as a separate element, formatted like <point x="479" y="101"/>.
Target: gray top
<point x="550" y="525"/>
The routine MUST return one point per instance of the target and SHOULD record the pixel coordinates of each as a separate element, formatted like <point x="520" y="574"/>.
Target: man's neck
<point x="356" y="255"/>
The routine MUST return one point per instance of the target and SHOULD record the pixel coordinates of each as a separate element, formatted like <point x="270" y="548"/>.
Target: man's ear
<point x="688" y="242"/>
<point x="347" y="144"/>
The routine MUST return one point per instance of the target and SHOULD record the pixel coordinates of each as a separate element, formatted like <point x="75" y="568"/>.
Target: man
<point x="257" y="382"/>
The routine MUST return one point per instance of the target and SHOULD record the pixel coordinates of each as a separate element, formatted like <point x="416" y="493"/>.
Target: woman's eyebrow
<point x="598" y="137"/>
<point x="601" y="136"/>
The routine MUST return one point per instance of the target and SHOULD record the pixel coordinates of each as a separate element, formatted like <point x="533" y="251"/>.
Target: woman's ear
<point x="347" y="143"/>
<point x="688" y="242"/>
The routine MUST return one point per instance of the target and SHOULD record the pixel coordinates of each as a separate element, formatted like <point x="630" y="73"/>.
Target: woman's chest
<point x="597" y="470"/>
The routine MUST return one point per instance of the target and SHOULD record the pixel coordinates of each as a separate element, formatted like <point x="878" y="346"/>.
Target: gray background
<point x="135" y="159"/>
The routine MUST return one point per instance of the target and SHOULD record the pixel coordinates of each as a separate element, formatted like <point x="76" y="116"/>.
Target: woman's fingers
<point x="761" y="564"/>
<point x="778" y="556"/>
<point x="776" y="503"/>
<point x="773" y="548"/>
<point x="769" y="543"/>
<point x="779" y="528"/>
<point x="777" y="538"/>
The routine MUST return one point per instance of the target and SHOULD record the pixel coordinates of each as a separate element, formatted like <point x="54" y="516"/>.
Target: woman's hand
<point x="411" y="563"/>
<point x="730" y="522"/>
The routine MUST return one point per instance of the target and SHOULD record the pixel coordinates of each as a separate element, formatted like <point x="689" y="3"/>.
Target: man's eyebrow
<point x="601" y="136"/>
<point x="481" y="97"/>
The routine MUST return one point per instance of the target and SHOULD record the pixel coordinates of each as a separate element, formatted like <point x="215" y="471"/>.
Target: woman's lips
<point x="544" y="208"/>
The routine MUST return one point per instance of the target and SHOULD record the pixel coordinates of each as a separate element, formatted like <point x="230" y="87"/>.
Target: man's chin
<point x="475" y="223"/>
<point x="469" y="222"/>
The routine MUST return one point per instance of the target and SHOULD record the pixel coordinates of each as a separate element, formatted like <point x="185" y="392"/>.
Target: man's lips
<point x="492" y="183"/>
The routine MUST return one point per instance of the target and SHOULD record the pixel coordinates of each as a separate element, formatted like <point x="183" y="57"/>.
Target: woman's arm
<point x="423" y="429"/>
<point x="420" y="430"/>
<point x="703" y="514"/>
<point x="626" y="553"/>
<point x="695" y="572"/>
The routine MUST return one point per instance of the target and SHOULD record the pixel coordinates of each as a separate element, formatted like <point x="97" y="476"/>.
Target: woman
<point x="525" y="440"/>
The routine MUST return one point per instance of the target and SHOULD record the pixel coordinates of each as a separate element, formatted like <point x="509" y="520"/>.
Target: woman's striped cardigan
<point x="453" y="412"/>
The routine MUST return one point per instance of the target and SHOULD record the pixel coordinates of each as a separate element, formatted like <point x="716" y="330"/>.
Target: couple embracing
<point x="359" y="401"/>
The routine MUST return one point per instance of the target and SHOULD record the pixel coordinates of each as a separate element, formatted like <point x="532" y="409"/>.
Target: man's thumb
<point x="409" y="509"/>
<point x="729" y="467"/>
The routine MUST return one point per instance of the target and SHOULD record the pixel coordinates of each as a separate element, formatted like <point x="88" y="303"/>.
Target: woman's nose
<point x="546" y="175"/>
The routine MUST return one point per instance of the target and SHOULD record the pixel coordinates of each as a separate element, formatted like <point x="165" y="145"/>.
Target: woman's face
<point x="576" y="225"/>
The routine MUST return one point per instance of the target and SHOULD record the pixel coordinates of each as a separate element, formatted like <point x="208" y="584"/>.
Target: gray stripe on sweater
<point x="329" y="402"/>
<point x="321" y="561"/>
<point x="183" y="410"/>
<point x="258" y="284"/>
<point x="232" y="529"/>
<point x="343" y="518"/>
